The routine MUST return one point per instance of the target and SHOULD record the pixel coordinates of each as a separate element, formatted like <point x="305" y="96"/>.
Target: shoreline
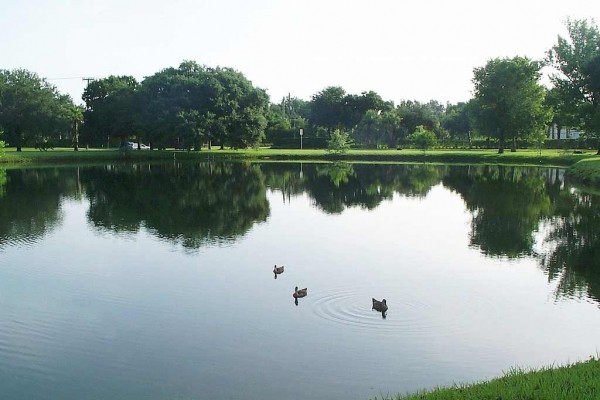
<point x="576" y="381"/>
<point x="583" y="168"/>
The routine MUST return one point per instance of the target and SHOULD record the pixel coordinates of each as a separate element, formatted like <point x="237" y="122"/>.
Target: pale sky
<point x="418" y="50"/>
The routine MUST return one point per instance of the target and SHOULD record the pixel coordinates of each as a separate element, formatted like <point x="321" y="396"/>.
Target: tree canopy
<point x="509" y="99"/>
<point x="576" y="59"/>
<point x="182" y="107"/>
<point x="31" y="110"/>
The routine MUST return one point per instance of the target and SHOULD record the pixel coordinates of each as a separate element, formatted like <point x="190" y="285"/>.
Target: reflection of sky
<point x="134" y="316"/>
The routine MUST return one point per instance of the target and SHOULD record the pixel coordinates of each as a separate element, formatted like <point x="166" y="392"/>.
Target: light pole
<point x="301" y="133"/>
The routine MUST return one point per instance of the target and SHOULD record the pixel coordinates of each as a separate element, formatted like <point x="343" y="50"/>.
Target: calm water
<point x="155" y="281"/>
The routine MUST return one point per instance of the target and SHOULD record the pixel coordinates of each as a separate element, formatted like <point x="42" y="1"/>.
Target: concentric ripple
<point x="405" y="317"/>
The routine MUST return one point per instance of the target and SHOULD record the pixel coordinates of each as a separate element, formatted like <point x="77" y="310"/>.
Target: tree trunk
<point x="76" y="136"/>
<point x="19" y="137"/>
<point x="558" y="128"/>
<point x="501" y="144"/>
<point x="598" y="141"/>
<point x="513" y="146"/>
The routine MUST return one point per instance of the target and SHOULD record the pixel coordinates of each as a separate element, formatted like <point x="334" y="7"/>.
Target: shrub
<point x="339" y="142"/>
<point x="422" y="138"/>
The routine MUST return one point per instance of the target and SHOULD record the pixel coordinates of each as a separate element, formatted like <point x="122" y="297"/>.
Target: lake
<point x="155" y="281"/>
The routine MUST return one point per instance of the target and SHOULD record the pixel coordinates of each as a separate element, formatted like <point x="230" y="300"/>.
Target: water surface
<point x="155" y="281"/>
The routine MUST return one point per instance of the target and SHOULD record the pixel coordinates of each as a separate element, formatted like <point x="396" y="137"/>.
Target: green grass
<point x="580" y="381"/>
<point x="547" y="157"/>
<point x="586" y="171"/>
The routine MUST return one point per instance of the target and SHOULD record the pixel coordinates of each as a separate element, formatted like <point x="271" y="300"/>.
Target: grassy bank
<point x="586" y="166"/>
<point x="521" y="157"/>
<point x="586" y="171"/>
<point x="579" y="381"/>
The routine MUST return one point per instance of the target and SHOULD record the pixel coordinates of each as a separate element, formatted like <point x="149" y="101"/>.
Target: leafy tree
<point x="563" y="111"/>
<point x="240" y="109"/>
<point x="31" y="110"/>
<point x="354" y="107"/>
<point x="510" y="99"/>
<point x="75" y="115"/>
<point x="339" y="142"/>
<point x="458" y="120"/>
<point x="423" y="138"/>
<point x="414" y="113"/>
<point x="326" y="107"/>
<point x="111" y="108"/>
<point x="577" y="60"/>
<point x="293" y="109"/>
<point x="377" y="128"/>
<point x="193" y="104"/>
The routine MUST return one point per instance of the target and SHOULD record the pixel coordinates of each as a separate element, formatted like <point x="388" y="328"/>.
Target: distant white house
<point x="565" y="133"/>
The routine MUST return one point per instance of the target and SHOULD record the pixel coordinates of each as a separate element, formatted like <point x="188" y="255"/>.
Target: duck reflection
<point x="277" y="270"/>
<point x="380" y="306"/>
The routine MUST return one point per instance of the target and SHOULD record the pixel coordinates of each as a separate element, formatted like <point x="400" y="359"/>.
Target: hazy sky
<point x="417" y="50"/>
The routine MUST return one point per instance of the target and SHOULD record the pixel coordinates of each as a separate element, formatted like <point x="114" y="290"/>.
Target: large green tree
<point x="378" y="128"/>
<point x="32" y="110"/>
<point x="414" y="113"/>
<point x="194" y="104"/>
<point x="112" y="108"/>
<point x="458" y="120"/>
<point x="577" y="61"/>
<point x="509" y="99"/>
<point x="326" y="108"/>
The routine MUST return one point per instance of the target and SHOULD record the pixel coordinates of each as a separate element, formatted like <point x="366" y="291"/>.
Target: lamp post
<point x="301" y="133"/>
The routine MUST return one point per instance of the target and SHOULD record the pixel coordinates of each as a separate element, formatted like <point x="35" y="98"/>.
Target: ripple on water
<point x="18" y="240"/>
<point x="409" y="317"/>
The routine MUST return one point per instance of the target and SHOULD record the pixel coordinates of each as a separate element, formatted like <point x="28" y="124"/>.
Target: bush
<point x="422" y="138"/>
<point x="2" y="145"/>
<point x="339" y="142"/>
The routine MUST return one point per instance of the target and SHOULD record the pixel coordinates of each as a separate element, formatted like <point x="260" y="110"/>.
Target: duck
<point x="278" y="270"/>
<point x="300" y="292"/>
<point x="380" y="306"/>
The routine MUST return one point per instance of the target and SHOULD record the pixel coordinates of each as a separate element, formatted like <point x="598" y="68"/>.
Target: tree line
<point x="192" y="106"/>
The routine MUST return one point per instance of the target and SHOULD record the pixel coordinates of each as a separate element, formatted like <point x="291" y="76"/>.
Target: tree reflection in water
<point x="510" y="204"/>
<point x="30" y="202"/>
<point x="192" y="204"/>
<point x="195" y="204"/>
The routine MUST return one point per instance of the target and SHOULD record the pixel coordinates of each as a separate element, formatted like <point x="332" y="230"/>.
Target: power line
<point x="64" y="78"/>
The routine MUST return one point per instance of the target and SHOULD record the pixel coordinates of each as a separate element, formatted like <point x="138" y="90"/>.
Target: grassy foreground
<point x="580" y="381"/>
<point x="585" y="166"/>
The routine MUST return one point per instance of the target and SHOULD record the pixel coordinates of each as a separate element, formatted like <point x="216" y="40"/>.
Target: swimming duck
<point x="300" y="293"/>
<point x="380" y="306"/>
<point x="278" y="270"/>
